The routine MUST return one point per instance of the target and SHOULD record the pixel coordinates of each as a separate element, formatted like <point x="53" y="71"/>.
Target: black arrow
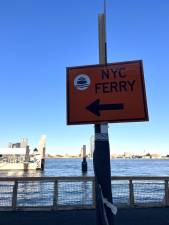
<point x="95" y="107"/>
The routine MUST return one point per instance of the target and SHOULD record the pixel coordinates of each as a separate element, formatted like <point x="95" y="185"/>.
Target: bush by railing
<point x="79" y="192"/>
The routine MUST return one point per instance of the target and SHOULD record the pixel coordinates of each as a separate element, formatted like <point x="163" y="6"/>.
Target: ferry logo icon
<point x="82" y="82"/>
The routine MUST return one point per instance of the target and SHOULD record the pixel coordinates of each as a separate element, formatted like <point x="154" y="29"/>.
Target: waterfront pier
<point x="84" y="161"/>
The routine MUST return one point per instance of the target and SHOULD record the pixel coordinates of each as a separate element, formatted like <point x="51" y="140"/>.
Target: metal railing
<point x="54" y="193"/>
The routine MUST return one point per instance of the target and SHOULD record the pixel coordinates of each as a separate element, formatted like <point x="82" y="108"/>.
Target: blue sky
<point x="40" y="38"/>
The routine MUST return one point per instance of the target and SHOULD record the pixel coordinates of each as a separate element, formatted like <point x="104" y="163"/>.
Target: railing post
<point x="14" y="195"/>
<point x="166" y="193"/>
<point x="131" y="193"/>
<point x="55" y="195"/>
<point x="94" y="193"/>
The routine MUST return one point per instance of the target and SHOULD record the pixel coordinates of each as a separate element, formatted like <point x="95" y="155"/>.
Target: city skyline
<point x="39" y="39"/>
<point x="89" y="148"/>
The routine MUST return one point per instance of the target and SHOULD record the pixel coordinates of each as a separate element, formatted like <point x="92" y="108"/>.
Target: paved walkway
<point x="149" y="216"/>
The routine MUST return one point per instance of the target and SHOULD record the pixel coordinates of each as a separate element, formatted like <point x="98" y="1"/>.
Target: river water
<point x="41" y="193"/>
<point x="119" y="167"/>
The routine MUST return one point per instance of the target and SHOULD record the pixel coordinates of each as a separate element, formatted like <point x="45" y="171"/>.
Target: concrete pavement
<point x="140" y="216"/>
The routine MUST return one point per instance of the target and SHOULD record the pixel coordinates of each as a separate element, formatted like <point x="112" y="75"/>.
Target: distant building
<point x="155" y="156"/>
<point x="22" y="144"/>
<point x="16" y="145"/>
<point x="127" y="155"/>
<point x="9" y="145"/>
<point x="83" y="151"/>
<point x="42" y="145"/>
<point x="91" y="150"/>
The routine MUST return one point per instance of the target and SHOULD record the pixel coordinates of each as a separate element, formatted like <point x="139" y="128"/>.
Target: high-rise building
<point x="24" y="142"/>
<point x="9" y="145"/>
<point x="16" y="145"/>
<point x="83" y="151"/>
<point x="91" y="146"/>
<point x="42" y="145"/>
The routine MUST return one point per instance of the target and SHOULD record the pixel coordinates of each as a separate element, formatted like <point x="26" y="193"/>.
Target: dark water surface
<point x="80" y="193"/>
<point x="119" y="167"/>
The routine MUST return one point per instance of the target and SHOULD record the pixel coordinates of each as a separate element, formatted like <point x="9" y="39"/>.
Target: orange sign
<point x="106" y="93"/>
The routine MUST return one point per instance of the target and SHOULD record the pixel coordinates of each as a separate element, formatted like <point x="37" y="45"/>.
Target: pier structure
<point x="19" y="156"/>
<point x="42" y="151"/>
<point x="84" y="156"/>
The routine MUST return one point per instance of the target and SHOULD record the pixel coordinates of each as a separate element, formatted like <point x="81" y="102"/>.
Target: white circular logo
<point x="82" y="82"/>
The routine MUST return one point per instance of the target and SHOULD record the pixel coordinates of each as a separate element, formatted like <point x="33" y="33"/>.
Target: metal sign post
<point x="104" y="93"/>
<point x="101" y="156"/>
